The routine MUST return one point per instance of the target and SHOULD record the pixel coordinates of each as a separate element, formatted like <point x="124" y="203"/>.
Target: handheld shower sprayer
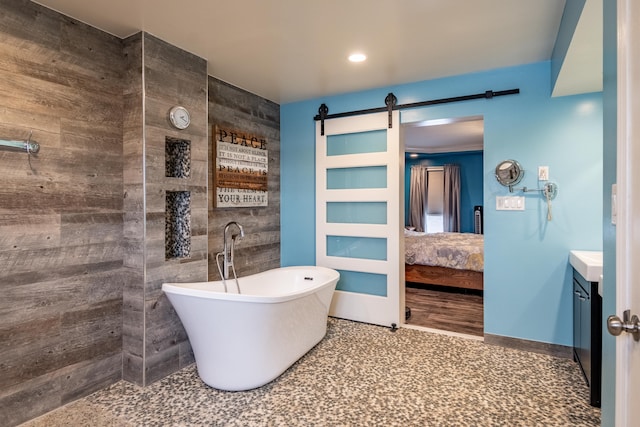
<point x="550" y="191"/>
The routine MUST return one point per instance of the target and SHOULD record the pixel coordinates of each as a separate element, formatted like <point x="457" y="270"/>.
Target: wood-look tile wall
<point x="235" y="108"/>
<point x="154" y="342"/>
<point x="134" y="219"/>
<point x="82" y="224"/>
<point x="61" y="245"/>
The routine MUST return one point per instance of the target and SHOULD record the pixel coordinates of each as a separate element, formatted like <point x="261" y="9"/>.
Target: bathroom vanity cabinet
<point x="587" y="333"/>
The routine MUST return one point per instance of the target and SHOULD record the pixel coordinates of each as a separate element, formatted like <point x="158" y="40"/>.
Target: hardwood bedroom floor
<point x="449" y="310"/>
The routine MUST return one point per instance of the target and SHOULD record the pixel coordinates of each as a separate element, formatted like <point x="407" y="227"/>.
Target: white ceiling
<point x="444" y="136"/>
<point x="292" y="50"/>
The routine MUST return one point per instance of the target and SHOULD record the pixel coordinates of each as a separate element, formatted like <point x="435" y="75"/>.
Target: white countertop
<point x="587" y="263"/>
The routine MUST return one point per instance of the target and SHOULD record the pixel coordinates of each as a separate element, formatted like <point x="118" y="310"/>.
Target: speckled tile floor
<point x="361" y="375"/>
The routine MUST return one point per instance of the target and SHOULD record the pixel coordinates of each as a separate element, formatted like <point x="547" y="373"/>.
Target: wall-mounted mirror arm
<point x="549" y="190"/>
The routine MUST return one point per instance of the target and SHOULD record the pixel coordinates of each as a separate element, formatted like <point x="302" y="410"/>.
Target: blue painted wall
<point x="470" y="181"/>
<point x="527" y="274"/>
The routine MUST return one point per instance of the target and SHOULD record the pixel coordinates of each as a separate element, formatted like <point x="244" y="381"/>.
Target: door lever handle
<point x="629" y="323"/>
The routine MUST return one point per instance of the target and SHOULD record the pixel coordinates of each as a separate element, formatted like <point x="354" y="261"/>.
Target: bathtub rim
<point x="183" y="289"/>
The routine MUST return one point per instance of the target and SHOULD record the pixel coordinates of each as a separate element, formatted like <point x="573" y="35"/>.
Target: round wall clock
<point x="179" y="117"/>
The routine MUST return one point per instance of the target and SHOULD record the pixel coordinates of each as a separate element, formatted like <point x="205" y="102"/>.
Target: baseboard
<point x="531" y="346"/>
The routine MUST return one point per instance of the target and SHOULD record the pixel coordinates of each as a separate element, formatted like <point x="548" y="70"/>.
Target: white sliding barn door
<point x="359" y="215"/>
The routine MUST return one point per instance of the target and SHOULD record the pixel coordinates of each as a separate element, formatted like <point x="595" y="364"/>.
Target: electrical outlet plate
<point x="543" y="173"/>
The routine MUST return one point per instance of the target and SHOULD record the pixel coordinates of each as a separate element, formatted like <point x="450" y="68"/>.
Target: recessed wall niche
<point x="178" y="225"/>
<point x="177" y="155"/>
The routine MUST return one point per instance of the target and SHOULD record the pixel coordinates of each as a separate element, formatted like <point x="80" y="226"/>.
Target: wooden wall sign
<point x="242" y="165"/>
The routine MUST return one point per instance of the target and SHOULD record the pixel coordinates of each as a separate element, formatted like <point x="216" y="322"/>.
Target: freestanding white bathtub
<point x="243" y="341"/>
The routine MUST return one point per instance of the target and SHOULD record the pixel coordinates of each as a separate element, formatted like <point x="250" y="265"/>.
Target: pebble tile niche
<point x="178" y="225"/>
<point x="178" y="204"/>
<point x="177" y="154"/>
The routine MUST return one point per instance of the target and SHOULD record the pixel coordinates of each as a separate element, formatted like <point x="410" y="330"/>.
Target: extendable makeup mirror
<point x="509" y="173"/>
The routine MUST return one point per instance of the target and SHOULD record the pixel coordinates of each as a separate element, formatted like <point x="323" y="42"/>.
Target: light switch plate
<point x="510" y="203"/>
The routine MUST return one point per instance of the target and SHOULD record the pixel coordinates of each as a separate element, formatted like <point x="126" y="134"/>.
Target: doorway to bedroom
<point x="443" y="204"/>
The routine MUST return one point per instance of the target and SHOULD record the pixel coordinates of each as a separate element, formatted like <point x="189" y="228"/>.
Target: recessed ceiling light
<point x="357" y="57"/>
<point x="413" y="155"/>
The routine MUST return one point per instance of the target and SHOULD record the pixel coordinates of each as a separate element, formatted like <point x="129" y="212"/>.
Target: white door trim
<point x="628" y="83"/>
